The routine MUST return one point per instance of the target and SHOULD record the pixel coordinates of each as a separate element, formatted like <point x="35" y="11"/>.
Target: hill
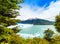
<point x="37" y="22"/>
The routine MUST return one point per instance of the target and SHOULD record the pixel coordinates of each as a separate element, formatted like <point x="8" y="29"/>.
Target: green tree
<point x="55" y="39"/>
<point x="48" y="34"/>
<point x="8" y="13"/>
<point x="57" y="23"/>
<point x="35" y="40"/>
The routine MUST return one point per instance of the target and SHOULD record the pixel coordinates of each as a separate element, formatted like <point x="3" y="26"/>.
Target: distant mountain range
<point x="37" y="22"/>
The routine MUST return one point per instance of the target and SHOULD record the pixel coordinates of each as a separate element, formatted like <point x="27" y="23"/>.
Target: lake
<point x="30" y="30"/>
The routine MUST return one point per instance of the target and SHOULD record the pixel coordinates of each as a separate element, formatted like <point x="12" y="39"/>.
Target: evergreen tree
<point x="8" y="14"/>
<point x="57" y="23"/>
<point x="48" y="34"/>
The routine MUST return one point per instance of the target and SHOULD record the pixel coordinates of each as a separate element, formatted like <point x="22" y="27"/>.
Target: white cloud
<point x="49" y="14"/>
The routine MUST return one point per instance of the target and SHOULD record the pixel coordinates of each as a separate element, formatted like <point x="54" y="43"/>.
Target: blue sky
<point x="39" y="3"/>
<point x="42" y="9"/>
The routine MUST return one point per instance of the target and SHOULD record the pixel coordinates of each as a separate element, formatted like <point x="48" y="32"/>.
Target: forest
<point x="8" y="13"/>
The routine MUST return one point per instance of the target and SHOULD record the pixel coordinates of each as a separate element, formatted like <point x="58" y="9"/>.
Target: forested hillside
<point x="38" y="22"/>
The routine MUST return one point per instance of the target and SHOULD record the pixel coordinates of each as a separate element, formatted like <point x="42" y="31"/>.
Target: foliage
<point x="8" y="13"/>
<point x="36" y="40"/>
<point x="48" y="35"/>
<point x="55" y="39"/>
<point x="57" y="23"/>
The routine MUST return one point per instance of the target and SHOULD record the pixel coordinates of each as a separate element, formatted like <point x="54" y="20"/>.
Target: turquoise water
<point x="29" y="30"/>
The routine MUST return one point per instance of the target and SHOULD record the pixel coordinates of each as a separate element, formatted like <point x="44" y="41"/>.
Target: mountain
<point x="37" y="22"/>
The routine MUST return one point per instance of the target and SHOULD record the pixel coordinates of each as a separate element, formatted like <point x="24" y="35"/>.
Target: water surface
<point x="30" y="30"/>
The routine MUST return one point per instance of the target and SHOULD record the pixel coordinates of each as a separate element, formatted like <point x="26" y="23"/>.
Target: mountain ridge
<point x="37" y="22"/>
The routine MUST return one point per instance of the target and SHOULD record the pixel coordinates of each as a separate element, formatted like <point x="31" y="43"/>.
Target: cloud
<point x="49" y="13"/>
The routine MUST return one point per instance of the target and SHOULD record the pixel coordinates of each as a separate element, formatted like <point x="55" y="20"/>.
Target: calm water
<point x="29" y="30"/>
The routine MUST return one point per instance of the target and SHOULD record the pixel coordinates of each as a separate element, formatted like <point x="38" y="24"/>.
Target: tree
<point x="8" y="14"/>
<point x="48" y="34"/>
<point x="57" y="23"/>
<point x="55" y="39"/>
<point x="35" y="40"/>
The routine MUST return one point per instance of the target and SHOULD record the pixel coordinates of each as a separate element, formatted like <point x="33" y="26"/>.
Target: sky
<point x="42" y="9"/>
